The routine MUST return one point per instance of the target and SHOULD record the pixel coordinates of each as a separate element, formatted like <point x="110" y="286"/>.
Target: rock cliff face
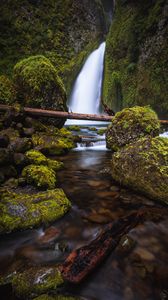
<point x="63" y="31"/>
<point x="136" y="70"/>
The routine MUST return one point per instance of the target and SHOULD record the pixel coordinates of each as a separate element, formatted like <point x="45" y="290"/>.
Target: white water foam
<point x="165" y="134"/>
<point x="86" y="93"/>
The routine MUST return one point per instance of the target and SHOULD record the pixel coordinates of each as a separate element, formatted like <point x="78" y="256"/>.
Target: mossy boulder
<point x="53" y="144"/>
<point x="130" y="124"/>
<point x="38" y="85"/>
<point x="40" y="176"/>
<point x="37" y="158"/>
<point x="7" y="91"/>
<point x="143" y="166"/>
<point x="22" y="211"/>
<point x="36" y="281"/>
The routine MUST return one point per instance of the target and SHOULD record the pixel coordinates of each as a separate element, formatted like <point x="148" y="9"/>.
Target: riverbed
<point x="136" y="270"/>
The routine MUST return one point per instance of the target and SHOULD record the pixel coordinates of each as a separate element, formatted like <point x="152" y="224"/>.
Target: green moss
<point x="101" y="131"/>
<point x="36" y="157"/>
<point x="145" y="165"/>
<point x="54" y="164"/>
<point x="7" y="91"/>
<point x="22" y="211"/>
<point x="73" y="128"/>
<point x="53" y="144"/>
<point x="136" y="50"/>
<point x="41" y="176"/>
<point x="130" y="124"/>
<point x="35" y="281"/>
<point x="38" y="85"/>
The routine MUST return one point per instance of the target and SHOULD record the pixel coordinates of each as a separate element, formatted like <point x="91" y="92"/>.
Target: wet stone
<point x="36" y="281"/>
<point x="49" y="236"/>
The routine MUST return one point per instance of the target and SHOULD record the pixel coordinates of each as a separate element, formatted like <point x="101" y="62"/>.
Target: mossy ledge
<point x="21" y="211"/>
<point x="143" y="167"/>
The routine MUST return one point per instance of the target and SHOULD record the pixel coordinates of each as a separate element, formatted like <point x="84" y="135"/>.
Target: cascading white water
<point x="86" y="93"/>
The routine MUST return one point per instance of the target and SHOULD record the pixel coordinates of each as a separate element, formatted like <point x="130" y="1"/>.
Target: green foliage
<point x="137" y="50"/>
<point x="7" y="91"/>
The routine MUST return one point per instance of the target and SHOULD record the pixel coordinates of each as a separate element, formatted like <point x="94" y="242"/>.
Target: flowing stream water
<point x="136" y="270"/>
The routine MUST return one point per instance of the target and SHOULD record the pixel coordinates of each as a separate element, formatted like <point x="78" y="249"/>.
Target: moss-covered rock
<point x="53" y="144"/>
<point x="130" y="124"/>
<point x="38" y="85"/>
<point x="143" y="166"/>
<point x="136" y="70"/>
<point x="73" y="128"/>
<point x="41" y="176"/>
<point x="7" y="91"/>
<point x="36" y="281"/>
<point x="37" y="158"/>
<point x="21" y="211"/>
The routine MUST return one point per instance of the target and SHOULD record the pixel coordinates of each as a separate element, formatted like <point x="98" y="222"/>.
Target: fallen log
<point x="81" y="262"/>
<point x="67" y="115"/>
<point x="60" y="114"/>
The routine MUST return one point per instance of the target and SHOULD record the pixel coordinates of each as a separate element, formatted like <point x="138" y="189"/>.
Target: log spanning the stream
<point x="37" y="112"/>
<point x="60" y="114"/>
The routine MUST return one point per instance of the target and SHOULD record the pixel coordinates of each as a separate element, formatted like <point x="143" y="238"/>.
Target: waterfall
<point x="86" y="93"/>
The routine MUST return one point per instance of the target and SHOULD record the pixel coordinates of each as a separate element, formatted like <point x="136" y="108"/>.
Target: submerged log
<point x="62" y="114"/>
<point x="81" y="262"/>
